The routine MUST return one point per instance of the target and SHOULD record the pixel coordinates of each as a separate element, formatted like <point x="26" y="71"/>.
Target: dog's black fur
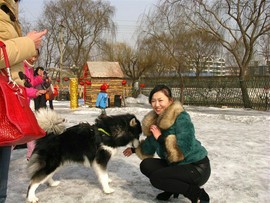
<point x="92" y="145"/>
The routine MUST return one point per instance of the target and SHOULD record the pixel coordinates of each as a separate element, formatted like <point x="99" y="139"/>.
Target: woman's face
<point x="160" y="102"/>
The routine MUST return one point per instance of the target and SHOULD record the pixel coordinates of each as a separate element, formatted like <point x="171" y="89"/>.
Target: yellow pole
<point x="73" y="93"/>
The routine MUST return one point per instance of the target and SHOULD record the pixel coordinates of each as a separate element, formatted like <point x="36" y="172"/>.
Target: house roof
<point x="99" y="69"/>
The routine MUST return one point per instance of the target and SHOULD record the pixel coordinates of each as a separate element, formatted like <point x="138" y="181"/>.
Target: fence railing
<point x="216" y="91"/>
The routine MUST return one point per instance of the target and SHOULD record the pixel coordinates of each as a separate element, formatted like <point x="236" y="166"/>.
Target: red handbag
<point x="18" y="123"/>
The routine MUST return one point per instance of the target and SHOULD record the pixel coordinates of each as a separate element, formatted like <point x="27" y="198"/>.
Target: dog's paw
<point x="54" y="183"/>
<point x="108" y="190"/>
<point x="109" y="180"/>
<point x="32" y="199"/>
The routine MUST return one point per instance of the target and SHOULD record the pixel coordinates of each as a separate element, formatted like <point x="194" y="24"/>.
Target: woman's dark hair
<point x="37" y="69"/>
<point x="163" y="88"/>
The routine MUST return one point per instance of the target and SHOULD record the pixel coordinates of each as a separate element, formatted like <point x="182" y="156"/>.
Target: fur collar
<point x="164" y="120"/>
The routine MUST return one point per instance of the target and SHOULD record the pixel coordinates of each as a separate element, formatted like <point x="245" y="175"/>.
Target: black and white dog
<point x="91" y="145"/>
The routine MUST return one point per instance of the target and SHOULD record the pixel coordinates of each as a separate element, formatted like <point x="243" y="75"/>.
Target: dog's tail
<point x="50" y="121"/>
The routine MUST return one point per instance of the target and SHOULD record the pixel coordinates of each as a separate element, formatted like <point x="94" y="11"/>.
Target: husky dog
<point x="91" y="145"/>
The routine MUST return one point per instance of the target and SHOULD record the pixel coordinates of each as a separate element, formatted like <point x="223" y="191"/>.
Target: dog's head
<point x="124" y="129"/>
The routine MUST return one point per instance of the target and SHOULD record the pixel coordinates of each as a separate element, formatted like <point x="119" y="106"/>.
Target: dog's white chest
<point x="111" y="150"/>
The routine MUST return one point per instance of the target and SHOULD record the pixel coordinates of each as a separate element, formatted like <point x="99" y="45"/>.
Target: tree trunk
<point x="182" y="96"/>
<point x="245" y="97"/>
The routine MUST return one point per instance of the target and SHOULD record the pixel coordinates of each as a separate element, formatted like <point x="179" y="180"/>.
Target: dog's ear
<point x="133" y="122"/>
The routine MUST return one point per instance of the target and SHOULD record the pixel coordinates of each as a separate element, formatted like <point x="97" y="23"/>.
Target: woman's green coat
<point x="177" y="144"/>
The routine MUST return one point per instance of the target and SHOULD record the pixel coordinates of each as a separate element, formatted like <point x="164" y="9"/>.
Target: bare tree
<point x="199" y="48"/>
<point x="166" y="27"/>
<point x="134" y="62"/>
<point x="75" y="28"/>
<point x="235" y="24"/>
<point x="264" y="44"/>
<point x="163" y="61"/>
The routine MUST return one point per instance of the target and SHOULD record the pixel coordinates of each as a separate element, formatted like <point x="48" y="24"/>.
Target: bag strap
<point x="3" y="47"/>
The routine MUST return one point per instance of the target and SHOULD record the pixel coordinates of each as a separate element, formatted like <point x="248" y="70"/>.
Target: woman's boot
<point x="197" y="195"/>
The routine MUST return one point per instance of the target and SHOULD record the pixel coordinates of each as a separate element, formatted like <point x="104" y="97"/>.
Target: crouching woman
<point x="183" y="166"/>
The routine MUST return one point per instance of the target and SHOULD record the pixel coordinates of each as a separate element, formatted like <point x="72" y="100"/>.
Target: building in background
<point x="98" y="73"/>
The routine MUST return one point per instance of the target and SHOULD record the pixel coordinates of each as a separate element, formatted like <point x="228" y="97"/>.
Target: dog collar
<point x="105" y="132"/>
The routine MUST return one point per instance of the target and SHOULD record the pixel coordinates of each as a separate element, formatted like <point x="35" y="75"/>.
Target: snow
<point x="237" y="141"/>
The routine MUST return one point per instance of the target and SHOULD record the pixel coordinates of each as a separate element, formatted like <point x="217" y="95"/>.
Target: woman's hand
<point x="127" y="152"/>
<point x="37" y="37"/>
<point x="155" y="130"/>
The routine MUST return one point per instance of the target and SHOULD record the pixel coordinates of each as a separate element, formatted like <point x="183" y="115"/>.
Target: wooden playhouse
<point x="96" y="73"/>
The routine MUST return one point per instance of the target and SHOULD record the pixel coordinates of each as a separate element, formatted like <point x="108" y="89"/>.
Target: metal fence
<point x="216" y="91"/>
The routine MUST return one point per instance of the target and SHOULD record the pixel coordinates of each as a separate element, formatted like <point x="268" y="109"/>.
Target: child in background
<point x="31" y="91"/>
<point x="49" y="96"/>
<point x="102" y="99"/>
<point x="40" y="101"/>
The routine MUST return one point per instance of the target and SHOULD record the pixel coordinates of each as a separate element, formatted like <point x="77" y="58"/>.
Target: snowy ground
<point x="238" y="142"/>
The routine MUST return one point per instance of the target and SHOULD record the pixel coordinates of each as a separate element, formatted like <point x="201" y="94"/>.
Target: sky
<point x="126" y="16"/>
<point x="237" y="141"/>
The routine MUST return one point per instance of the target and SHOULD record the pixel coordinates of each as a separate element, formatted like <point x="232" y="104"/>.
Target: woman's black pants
<point x="40" y="102"/>
<point x="180" y="179"/>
